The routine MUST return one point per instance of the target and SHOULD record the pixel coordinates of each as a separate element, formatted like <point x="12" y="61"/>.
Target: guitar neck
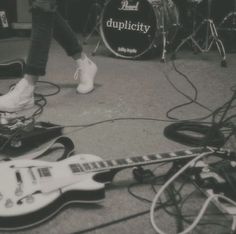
<point x="118" y="164"/>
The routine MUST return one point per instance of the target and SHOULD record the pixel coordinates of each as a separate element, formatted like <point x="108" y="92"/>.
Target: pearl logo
<point x="126" y="6"/>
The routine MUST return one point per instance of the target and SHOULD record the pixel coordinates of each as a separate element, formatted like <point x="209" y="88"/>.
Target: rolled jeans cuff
<point x="36" y="71"/>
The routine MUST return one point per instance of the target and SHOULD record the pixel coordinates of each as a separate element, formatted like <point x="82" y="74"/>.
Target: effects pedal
<point x="10" y="127"/>
<point x="20" y="133"/>
<point x="7" y="118"/>
<point x="143" y="175"/>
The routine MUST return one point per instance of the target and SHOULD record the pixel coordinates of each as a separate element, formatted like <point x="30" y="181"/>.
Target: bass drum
<point x="130" y="28"/>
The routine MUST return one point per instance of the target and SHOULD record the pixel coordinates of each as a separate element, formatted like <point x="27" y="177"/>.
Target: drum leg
<point x="164" y="33"/>
<point x="219" y="44"/>
<point x="96" y="47"/>
<point x="163" y="57"/>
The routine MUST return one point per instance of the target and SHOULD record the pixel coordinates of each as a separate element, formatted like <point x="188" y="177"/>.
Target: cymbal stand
<point x="229" y="18"/>
<point x="95" y="10"/>
<point x="163" y="32"/>
<point x="211" y="38"/>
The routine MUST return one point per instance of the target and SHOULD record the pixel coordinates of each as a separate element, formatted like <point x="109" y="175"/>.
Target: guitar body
<point x="32" y="191"/>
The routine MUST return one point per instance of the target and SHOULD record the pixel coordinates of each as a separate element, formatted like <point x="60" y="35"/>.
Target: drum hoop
<point x="112" y="50"/>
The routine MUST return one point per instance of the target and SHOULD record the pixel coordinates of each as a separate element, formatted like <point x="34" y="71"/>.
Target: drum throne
<point x="211" y="37"/>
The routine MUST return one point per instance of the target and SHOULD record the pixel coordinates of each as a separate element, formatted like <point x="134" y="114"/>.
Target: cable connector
<point x="143" y="175"/>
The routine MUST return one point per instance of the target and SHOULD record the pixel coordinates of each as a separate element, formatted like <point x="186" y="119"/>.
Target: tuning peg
<point x="18" y="191"/>
<point x="9" y="203"/>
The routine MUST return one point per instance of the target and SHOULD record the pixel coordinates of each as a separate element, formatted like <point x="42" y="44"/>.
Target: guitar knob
<point x="18" y="192"/>
<point x="29" y="199"/>
<point x="9" y="203"/>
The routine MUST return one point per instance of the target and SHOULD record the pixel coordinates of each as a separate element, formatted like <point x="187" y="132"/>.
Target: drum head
<point x="128" y="27"/>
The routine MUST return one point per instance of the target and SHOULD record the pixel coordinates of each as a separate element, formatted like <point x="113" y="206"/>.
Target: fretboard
<point x="137" y="161"/>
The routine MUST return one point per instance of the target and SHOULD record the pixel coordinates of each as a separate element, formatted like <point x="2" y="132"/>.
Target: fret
<point x="145" y="158"/>
<point x="140" y="158"/>
<point x="172" y="154"/>
<point x="102" y="164"/>
<point x="134" y="159"/>
<point x="189" y="152"/>
<point x="184" y="153"/>
<point x="152" y="157"/>
<point x="105" y="163"/>
<point x="128" y="160"/>
<point x="137" y="159"/>
<point x="109" y="163"/>
<point x="158" y="156"/>
<point x="165" y="155"/>
<point x="177" y="153"/>
<point x="94" y="165"/>
<point x="121" y="161"/>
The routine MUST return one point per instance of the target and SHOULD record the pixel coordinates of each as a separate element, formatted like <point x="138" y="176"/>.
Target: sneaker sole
<point x="14" y="110"/>
<point x="85" y="92"/>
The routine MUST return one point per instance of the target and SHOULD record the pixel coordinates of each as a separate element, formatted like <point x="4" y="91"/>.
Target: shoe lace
<point x="12" y="87"/>
<point x="77" y="73"/>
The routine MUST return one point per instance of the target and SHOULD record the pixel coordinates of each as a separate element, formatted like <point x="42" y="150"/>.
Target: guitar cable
<point x="112" y="222"/>
<point x="200" y="134"/>
<point x="195" y="134"/>
<point x="191" y="100"/>
<point x="203" y="209"/>
<point x="161" y="205"/>
<point x="179" y="200"/>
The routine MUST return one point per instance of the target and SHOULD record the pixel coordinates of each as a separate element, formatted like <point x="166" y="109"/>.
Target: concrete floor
<point x="126" y="89"/>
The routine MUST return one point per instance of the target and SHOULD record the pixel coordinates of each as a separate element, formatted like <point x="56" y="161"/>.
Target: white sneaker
<point x="85" y="72"/>
<point x="17" y="99"/>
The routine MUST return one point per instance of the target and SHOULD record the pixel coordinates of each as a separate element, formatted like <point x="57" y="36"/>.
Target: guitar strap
<point x="44" y="149"/>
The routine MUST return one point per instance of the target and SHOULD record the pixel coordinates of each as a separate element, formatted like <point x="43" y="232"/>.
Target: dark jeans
<point x="46" y="23"/>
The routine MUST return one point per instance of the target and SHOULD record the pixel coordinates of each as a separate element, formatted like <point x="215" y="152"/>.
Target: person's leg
<point x="65" y="36"/>
<point x="86" y="69"/>
<point x="21" y="97"/>
<point x="42" y="30"/>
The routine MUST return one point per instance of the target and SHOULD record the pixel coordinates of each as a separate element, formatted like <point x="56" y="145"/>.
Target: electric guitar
<point x="32" y="191"/>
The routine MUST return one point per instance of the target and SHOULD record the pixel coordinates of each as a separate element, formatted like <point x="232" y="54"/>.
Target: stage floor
<point x="133" y="89"/>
